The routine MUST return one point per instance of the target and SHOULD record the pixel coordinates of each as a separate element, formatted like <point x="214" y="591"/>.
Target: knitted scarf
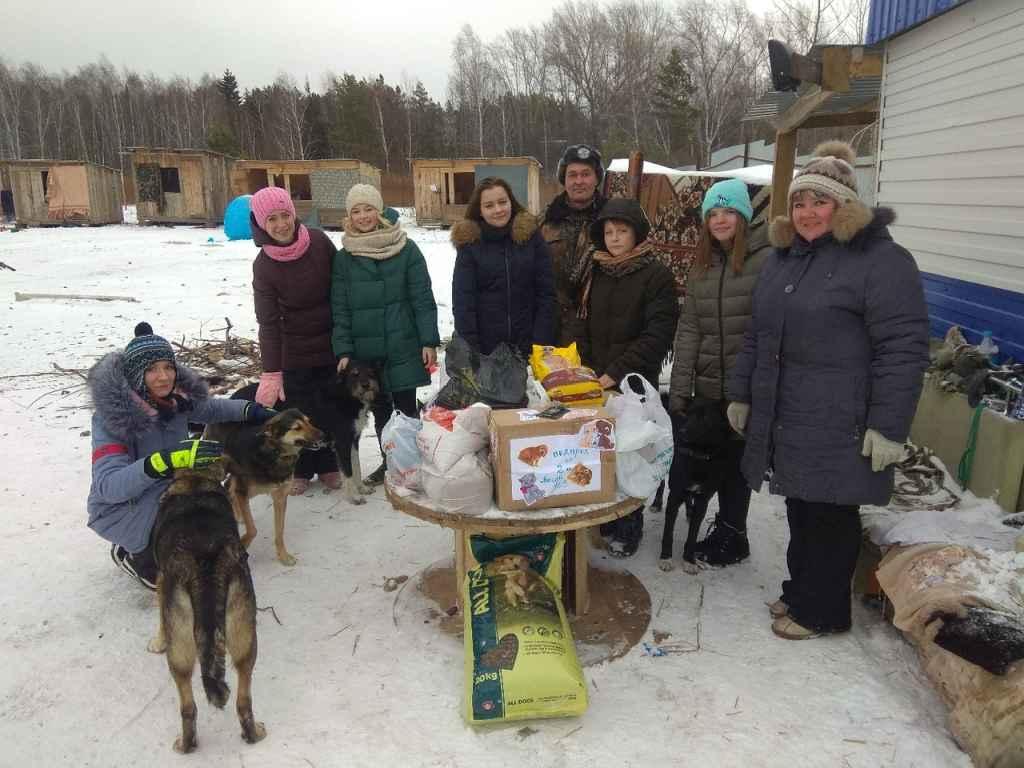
<point x="616" y="266"/>
<point x="380" y="244"/>
<point x="294" y="250"/>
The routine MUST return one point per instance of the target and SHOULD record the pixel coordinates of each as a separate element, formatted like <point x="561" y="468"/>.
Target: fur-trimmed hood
<point x="123" y="412"/>
<point x="467" y="231"/>
<point x="852" y="221"/>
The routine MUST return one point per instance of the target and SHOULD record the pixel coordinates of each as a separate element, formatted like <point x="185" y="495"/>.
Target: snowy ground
<point x="341" y="681"/>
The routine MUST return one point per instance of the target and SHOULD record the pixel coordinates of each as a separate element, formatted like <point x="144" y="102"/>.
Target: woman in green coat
<point x="383" y="306"/>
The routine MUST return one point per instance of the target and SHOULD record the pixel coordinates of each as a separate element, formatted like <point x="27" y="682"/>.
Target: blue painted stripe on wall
<point x="890" y="17"/>
<point x="976" y="308"/>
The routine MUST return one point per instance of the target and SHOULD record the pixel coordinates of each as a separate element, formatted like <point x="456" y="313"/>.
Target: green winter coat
<point x="384" y="312"/>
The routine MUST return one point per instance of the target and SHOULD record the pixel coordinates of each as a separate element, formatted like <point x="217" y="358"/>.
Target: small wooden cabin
<point x="317" y="187"/>
<point x="442" y="188"/>
<point x="180" y="186"/>
<point x="60" y="192"/>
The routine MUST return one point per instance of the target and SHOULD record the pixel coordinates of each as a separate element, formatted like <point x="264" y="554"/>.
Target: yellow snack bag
<point x="546" y="360"/>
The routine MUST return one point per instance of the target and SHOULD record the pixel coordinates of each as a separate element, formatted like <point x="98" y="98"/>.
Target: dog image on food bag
<point x="206" y="598"/>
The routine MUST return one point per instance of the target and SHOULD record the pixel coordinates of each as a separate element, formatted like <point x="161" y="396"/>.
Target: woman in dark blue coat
<point x="829" y="376"/>
<point x="503" y="288"/>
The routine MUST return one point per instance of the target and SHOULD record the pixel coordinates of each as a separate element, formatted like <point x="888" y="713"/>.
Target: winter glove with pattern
<point x="271" y="389"/>
<point x="255" y="413"/>
<point x="737" y="414"/>
<point x="189" y="454"/>
<point x="882" y="451"/>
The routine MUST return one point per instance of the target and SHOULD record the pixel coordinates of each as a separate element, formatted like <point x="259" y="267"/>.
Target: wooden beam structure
<point x="782" y="172"/>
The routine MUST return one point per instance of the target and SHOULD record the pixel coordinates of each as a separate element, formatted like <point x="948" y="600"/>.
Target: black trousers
<point x="305" y="389"/>
<point x="388" y="403"/>
<point x="824" y="543"/>
<point x="726" y="480"/>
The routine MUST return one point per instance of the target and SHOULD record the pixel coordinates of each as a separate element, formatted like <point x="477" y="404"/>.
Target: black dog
<point x="340" y="409"/>
<point x="701" y="443"/>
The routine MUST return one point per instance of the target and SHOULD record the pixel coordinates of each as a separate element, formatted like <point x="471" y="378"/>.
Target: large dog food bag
<point x="520" y="656"/>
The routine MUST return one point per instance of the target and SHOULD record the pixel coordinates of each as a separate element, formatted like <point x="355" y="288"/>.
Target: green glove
<point x="189" y="455"/>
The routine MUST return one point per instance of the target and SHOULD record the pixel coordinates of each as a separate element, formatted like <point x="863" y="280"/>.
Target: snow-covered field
<point x="343" y="680"/>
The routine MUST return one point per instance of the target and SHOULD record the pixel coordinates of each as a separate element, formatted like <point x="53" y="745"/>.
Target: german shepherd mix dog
<point x="340" y="410"/>
<point x="206" y="598"/>
<point x="259" y="459"/>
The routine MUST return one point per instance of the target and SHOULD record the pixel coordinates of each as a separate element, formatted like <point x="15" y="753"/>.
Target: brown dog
<point x="206" y="598"/>
<point x="259" y="459"/>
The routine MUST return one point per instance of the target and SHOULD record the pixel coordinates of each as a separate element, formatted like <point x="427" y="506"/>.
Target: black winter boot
<point x="724" y="545"/>
<point x="629" y="531"/>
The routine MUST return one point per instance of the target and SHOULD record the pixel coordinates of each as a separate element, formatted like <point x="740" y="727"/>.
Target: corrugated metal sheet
<point x="890" y="17"/>
<point x="952" y="164"/>
<point x="773" y="103"/>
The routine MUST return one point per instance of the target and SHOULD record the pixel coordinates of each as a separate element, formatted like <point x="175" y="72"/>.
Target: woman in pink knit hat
<point x="292" y="289"/>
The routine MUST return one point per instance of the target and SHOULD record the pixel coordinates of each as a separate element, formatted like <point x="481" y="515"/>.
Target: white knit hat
<point x="364" y="193"/>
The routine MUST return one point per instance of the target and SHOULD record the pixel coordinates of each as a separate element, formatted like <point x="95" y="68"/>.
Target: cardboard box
<point x="540" y="463"/>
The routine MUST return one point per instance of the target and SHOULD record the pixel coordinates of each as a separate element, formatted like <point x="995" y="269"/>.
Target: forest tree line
<point x="672" y="79"/>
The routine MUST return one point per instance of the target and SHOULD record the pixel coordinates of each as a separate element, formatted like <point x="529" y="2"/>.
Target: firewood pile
<point x="227" y="364"/>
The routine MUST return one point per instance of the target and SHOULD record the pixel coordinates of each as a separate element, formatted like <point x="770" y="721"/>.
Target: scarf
<point x="294" y="250"/>
<point x="616" y="266"/>
<point x="380" y="244"/>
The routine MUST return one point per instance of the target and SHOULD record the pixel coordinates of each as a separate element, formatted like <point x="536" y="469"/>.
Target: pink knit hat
<point x="268" y="200"/>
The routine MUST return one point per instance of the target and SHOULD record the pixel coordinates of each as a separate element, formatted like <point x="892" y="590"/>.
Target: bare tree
<point x="724" y="44"/>
<point x="472" y="78"/>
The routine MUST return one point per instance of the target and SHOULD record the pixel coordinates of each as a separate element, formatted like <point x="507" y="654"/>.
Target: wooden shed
<point x="442" y="188"/>
<point x="180" y="186"/>
<point x="57" y="192"/>
<point x="318" y="187"/>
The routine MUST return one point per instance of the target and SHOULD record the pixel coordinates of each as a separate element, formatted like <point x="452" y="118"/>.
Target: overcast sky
<point x="258" y="39"/>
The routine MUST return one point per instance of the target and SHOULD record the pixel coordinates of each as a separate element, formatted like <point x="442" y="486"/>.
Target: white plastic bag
<point x="441" y="447"/>
<point x="401" y="452"/>
<point x="467" y="487"/>
<point x="643" y="432"/>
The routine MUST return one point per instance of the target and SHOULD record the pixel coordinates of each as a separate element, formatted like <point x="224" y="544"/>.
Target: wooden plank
<point x="801" y="109"/>
<point x="782" y="172"/>
<point x="835" y="68"/>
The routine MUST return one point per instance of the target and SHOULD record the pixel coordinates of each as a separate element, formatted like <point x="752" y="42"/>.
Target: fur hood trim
<point x="123" y="412"/>
<point x="467" y="231"/>
<point x="848" y="222"/>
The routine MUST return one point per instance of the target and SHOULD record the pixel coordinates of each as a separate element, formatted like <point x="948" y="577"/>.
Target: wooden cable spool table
<point x="573" y="521"/>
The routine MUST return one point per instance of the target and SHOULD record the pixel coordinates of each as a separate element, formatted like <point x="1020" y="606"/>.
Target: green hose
<point x="963" y="472"/>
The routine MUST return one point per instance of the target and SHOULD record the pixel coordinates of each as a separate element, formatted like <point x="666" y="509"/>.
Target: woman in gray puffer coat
<point x="829" y="377"/>
<point x="715" y="315"/>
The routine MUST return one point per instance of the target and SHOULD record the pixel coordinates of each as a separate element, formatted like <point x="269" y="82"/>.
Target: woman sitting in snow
<point x="143" y="403"/>
<point x="291" y="285"/>
<point x="383" y="305"/>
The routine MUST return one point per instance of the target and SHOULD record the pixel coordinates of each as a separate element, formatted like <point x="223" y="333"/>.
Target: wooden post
<point x="782" y="172"/>
<point x="635" y="173"/>
<point x="581" y="544"/>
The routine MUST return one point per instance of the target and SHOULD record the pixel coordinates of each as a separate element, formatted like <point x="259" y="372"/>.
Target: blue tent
<point x="236" y="219"/>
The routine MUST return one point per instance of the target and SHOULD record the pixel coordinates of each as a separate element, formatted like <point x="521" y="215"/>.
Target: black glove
<point x="255" y="413"/>
<point x="189" y="454"/>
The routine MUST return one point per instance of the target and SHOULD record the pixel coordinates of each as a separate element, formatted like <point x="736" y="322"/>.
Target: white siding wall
<point x="951" y="160"/>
